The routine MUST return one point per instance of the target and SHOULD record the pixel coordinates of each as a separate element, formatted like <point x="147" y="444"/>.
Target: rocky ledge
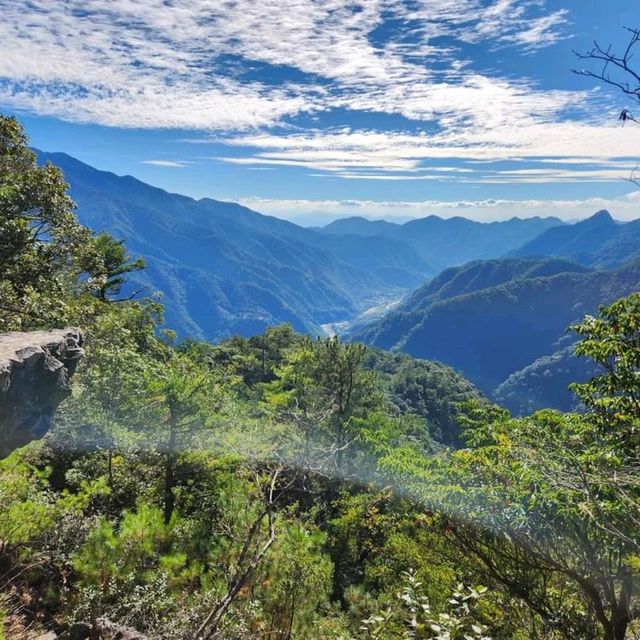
<point x="35" y="372"/>
<point x="101" y="629"/>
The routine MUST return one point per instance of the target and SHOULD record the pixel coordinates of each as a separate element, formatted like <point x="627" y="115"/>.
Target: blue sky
<point x="314" y="108"/>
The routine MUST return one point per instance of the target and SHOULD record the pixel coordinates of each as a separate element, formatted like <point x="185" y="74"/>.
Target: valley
<point x="345" y="327"/>
<point x="247" y="271"/>
<point x="434" y="288"/>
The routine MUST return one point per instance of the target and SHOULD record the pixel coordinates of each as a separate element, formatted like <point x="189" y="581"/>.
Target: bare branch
<point x="627" y="79"/>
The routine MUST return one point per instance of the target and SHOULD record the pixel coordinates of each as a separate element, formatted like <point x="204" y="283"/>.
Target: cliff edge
<point x="35" y="372"/>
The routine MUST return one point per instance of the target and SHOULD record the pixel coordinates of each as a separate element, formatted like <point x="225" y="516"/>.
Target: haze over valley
<point x="434" y="288"/>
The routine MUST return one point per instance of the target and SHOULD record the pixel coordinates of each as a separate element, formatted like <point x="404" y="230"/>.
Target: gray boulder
<point x="35" y="372"/>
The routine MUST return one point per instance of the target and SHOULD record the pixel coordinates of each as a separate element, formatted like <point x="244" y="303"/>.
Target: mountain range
<point x="223" y="269"/>
<point x="492" y="300"/>
<point x="451" y="241"/>
<point x="598" y="241"/>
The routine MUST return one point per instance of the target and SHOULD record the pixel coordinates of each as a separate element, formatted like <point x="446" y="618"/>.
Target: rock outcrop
<point x="101" y="629"/>
<point x="35" y="372"/>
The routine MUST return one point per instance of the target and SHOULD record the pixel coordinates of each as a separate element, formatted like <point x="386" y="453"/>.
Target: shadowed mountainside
<point x="493" y="319"/>
<point x="223" y="269"/>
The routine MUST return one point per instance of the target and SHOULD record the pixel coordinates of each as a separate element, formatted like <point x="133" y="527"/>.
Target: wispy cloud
<point x="623" y="208"/>
<point x="583" y="148"/>
<point x="176" y="164"/>
<point x="509" y="21"/>
<point x="189" y="64"/>
<point x="242" y="72"/>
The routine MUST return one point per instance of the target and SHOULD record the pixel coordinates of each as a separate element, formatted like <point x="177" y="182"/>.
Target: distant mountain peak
<point x="599" y="241"/>
<point x="600" y="217"/>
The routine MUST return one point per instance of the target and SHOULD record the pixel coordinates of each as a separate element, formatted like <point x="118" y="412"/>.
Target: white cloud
<point x="508" y="21"/>
<point x="176" y="164"/>
<point x="165" y="64"/>
<point x="584" y="148"/>
<point x="213" y="65"/>
<point x="541" y="31"/>
<point x="622" y="208"/>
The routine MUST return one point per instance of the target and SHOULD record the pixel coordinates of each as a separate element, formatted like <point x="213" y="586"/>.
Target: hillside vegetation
<point x="545" y="383"/>
<point x="492" y="319"/>
<point x="279" y="487"/>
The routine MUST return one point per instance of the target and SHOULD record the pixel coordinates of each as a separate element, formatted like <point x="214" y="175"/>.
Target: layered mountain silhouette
<point x="451" y="241"/>
<point x="598" y="241"/>
<point x="223" y="269"/>
<point x="492" y="300"/>
<point x="392" y="330"/>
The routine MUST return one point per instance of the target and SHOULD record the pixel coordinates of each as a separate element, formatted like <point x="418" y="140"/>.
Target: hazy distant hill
<point x="224" y="269"/>
<point x="598" y="241"/>
<point x="451" y="241"/>
<point x="490" y="320"/>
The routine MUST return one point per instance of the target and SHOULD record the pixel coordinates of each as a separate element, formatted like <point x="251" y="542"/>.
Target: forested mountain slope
<point x="545" y="383"/>
<point x="598" y="241"/>
<point x="452" y="241"/>
<point x="423" y="388"/>
<point x="224" y="269"/>
<point x="490" y="329"/>
<point x="457" y="281"/>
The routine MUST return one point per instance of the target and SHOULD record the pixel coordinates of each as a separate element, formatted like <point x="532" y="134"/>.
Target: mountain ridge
<point x="490" y="333"/>
<point x="447" y="242"/>
<point x="599" y="241"/>
<point x="224" y="269"/>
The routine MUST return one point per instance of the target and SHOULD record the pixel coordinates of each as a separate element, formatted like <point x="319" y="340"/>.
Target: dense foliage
<point x="41" y="242"/>
<point x="280" y="487"/>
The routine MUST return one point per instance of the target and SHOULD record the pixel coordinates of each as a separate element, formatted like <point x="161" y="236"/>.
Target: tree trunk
<point x="620" y="628"/>
<point x="169" y="485"/>
<point x="248" y="562"/>
<point x="621" y="617"/>
<point x="170" y="468"/>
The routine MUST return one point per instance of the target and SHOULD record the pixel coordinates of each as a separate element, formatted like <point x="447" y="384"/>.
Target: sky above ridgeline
<point x="312" y="108"/>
